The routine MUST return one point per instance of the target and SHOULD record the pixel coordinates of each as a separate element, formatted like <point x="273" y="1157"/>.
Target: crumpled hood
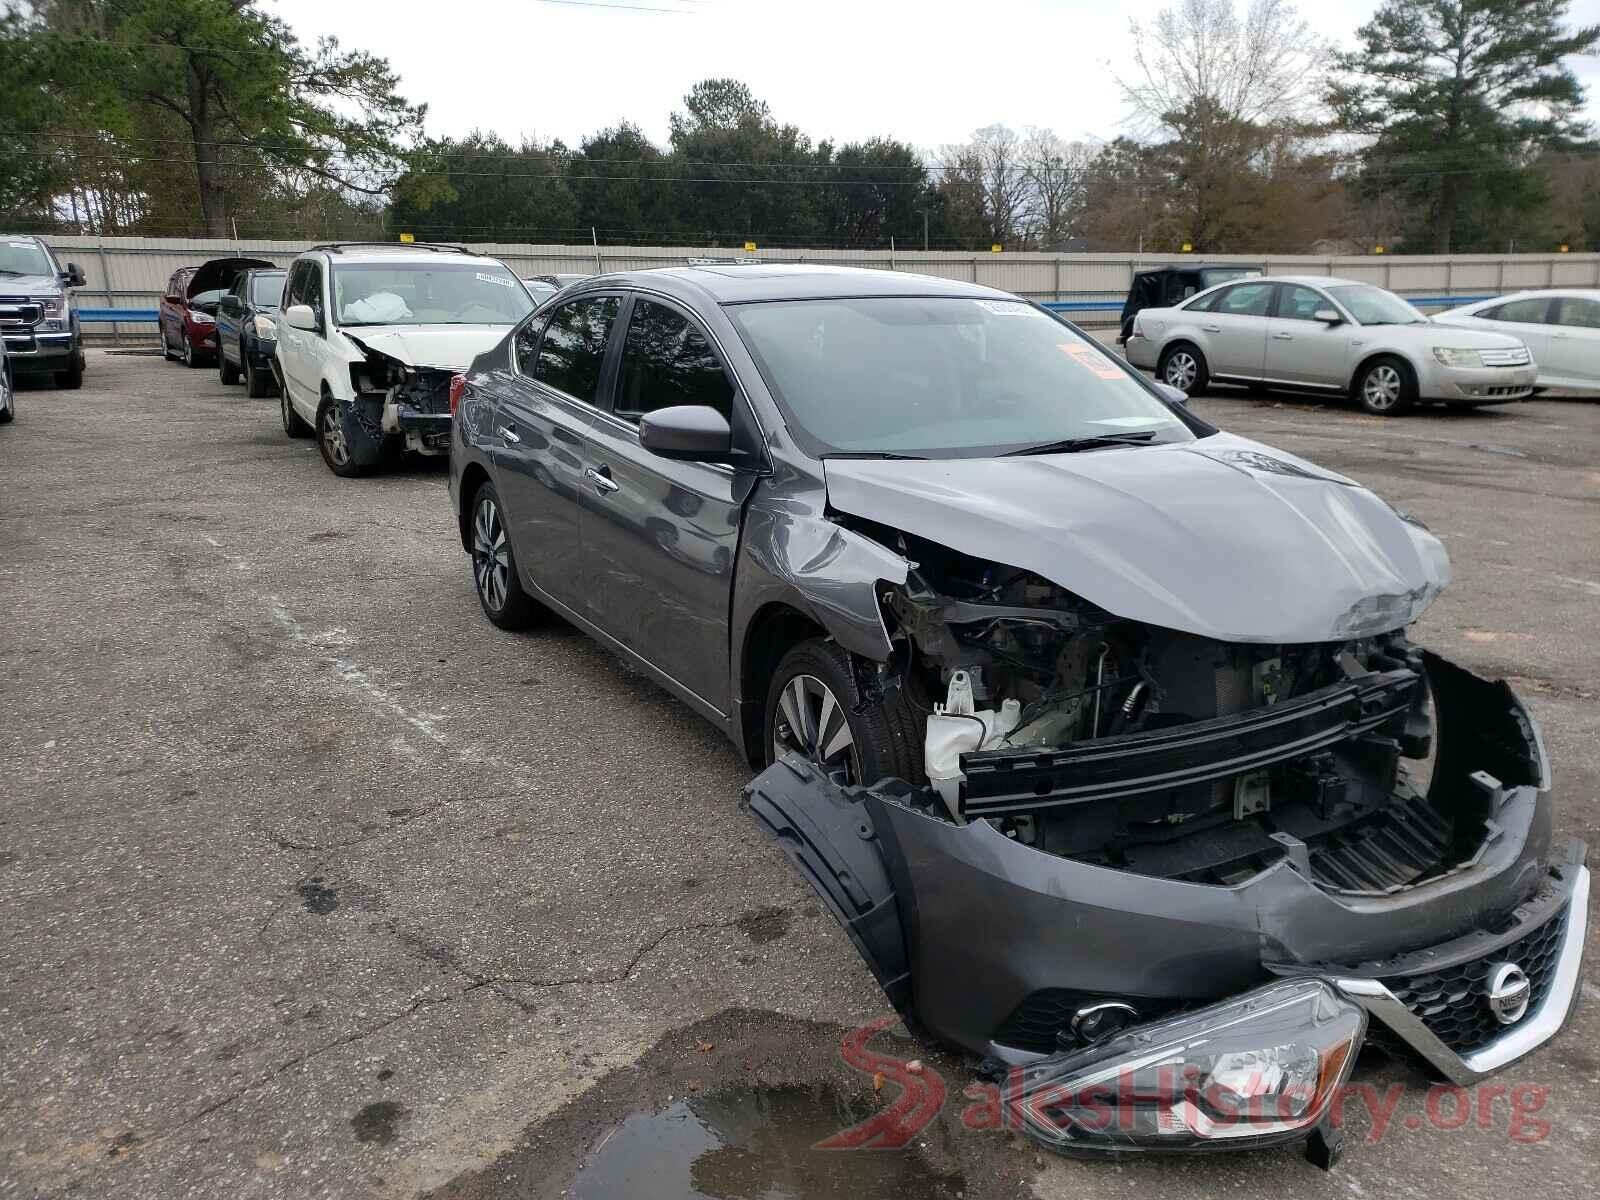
<point x="448" y="347"/>
<point x="1221" y="537"/>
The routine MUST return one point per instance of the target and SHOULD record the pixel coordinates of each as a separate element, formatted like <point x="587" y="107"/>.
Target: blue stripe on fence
<point x="129" y="316"/>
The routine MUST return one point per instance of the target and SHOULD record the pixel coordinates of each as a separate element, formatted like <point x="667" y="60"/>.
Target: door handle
<point x="1284" y="337"/>
<point x="506" y="433"/>
<point x="1212" y="328"/>
<point x="602" y="480"/>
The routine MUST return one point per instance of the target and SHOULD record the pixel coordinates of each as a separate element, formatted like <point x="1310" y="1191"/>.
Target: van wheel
<point x="811" y="711"/>
<point x="1385" y="387"/>
<point x="294" y="424"/>
<point x="334" y="440"/>
<point x="1183" y="366"/>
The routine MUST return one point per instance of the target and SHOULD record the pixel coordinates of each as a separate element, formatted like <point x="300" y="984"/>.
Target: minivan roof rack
<point x="724" y="262"/>
<point x="436" y="247"/>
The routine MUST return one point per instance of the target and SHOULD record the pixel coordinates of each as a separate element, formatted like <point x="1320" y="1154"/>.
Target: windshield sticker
<point x="1092" y="359"/>
<point x="500" y="279"/>
<point x="1004" y="308"/>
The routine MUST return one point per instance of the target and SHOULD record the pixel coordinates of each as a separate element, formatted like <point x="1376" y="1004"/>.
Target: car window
<point x="476" y="292"/>
<point x="525" y="345"/>
<point x="266" y="290"/>
<point x="941" y="377"/>
<point x="1578" y="312"/>
<point x="573" y="348"/>
<point x="1206" y="302"/>
<point x="1530" y="311"/>
<point x="666" y="360"/>
<point x="1373" y="306"/>
<point x="1244" y="300"/>
<point x="312" y="290"/>
<point x="1296" y="303"/>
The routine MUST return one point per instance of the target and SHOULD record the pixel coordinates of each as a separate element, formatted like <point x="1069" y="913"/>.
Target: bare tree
<point x="992" y="162"/>
<point x="1057" y="173"/>
<point x="1266" y="68"/>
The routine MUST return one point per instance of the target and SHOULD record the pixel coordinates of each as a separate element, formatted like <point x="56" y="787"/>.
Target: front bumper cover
<point x="965" y="928"/>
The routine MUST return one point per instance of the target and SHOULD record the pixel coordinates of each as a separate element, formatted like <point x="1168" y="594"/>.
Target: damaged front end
<point x="1133" y="848"/>
<point x="398" y="403"/>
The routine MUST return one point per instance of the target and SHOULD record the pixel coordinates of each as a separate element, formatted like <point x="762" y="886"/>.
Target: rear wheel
<point x="166" y="346"/>
<point x="294" y="424"/>
<point x="1385" y="387"/>
<point x="812" y="704"/>
<point x="1184" y="367"/>
<point x="494" y="565"/>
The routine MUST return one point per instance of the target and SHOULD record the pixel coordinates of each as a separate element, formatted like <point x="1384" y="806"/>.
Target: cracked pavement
<point x="316" y="884"/>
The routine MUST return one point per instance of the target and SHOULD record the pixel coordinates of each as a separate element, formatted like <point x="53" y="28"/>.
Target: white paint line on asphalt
<point x="1587" y="585"/>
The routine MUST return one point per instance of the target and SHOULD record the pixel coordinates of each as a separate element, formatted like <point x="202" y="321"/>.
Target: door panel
<point x="1236" y="330"/>
<point x="543" y="425"/>
<point x="660" y="536"/>
<point x="1301" y="349"/>
<point x="1526" y="320"/>
<point x="1574" y="348"/>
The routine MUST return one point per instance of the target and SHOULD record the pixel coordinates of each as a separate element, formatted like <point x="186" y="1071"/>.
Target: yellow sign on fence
<point x="996" y="248"/>
<point x="749" y="247"/>
<point x="1188" y="247"/>
<point x="408" y="237"/>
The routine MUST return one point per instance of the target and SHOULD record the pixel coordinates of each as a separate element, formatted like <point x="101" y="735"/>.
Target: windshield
<point x="480" y="293"/>
<point x="24" y="258"/>
<point x="266" y="291"/>
<point x="1373" y="306"/>
<point x="1212" y="276"/>
<point x="941" y="378"/>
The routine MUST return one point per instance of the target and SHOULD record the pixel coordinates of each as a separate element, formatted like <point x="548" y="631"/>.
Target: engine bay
<point x="1162" y="753"/>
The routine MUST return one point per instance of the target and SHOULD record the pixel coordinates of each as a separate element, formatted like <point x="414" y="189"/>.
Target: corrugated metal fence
<point x="131" y="272"/>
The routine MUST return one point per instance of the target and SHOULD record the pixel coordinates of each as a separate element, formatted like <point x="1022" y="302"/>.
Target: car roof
<point x="397" y="253"/>
<point x="1533" y="293"/>
<point x="741" y="284"/>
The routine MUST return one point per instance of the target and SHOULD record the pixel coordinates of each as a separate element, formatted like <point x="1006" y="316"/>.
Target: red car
<point x="188" y="310"/>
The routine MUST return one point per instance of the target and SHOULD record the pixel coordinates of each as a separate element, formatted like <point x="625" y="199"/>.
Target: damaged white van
<point x="372" y="334"/>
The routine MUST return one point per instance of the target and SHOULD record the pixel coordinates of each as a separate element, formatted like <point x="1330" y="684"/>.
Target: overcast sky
<point x="926" y="71"/>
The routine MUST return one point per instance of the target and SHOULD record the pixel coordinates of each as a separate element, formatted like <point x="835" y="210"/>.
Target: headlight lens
<point x="201" y="318"/>
<point x="264" y="328"/>
<point x="1261" y="1067"/>
<point x="1451" y="356"/>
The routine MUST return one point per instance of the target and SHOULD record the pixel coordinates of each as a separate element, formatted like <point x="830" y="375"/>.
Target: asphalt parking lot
<point x="314" y="883"/>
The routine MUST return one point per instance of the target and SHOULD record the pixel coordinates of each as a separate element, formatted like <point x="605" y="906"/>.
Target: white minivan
<point x="370" y="337"/>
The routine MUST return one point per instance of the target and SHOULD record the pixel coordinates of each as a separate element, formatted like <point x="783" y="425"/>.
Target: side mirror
<point x="1171" y="394"/>
<point x="686" y="432"/>
<point x="73" y="276"/>
<point x="1327" y="316"/>
<point x="300" y="316"/>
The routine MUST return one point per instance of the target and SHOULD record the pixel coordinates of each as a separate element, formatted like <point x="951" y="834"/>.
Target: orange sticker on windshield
<point x="1092" y="358"/>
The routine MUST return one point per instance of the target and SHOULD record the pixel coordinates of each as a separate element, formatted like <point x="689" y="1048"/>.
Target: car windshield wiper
<point x="888" y="454"/>
<point x="1137" y="437"/>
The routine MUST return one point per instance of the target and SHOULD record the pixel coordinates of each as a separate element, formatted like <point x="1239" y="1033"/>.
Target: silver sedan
<point x="1322" y="334"/>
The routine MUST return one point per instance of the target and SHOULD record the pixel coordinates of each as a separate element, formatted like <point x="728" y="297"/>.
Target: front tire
<point x="334" y="440"/>
<point x="1183" y="366"/>
<point x="256" y="385"/>
<point x="71" y="379"/>
<point x="187" y="355"/>
<point x="1385" y="387"/>
<point x="226" y="371"/>
<point x="494" y="565"/>
<point x="812" y="704"/>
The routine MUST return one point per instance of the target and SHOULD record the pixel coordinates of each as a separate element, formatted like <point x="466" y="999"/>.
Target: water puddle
<point x="752" y="1144"/>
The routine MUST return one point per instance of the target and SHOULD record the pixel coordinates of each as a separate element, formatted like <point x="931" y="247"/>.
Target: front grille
<point x="19" y="312"/>
<point x="1505" y="358"/>
<point x="1452" y="1003"/>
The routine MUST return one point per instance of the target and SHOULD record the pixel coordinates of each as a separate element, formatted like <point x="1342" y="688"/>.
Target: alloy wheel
<point x="188" y="351"/>
<point x="1181" y="370"/>
<point x="811" y="722"/>
<point x="491" y="556"/>
<point x="1382" y="388"/>
<point x="333" y="439"/>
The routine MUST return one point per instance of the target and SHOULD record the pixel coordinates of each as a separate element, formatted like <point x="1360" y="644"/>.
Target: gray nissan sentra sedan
<point x="1097" y="728"/>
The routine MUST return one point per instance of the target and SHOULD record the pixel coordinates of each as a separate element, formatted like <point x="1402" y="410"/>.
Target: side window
<point x="1531" y="311"/>
<point x="666" y="360"/>
<point x="1206" y="303"/>
<point x="1296" y="303"/>
<point x="1577" y="312"/>
<point x="1245" y="300"/>
<point x="312" y="289"/>
<point x="295" y="285"/>
<point x="526" y="345"/>
<point x="574" y="347"/>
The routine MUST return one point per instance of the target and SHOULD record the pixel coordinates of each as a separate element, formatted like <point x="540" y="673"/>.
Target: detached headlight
<point x="264" y="328"/>
<point x="1450" y="356"/>
<point x="1261" y="1067"/>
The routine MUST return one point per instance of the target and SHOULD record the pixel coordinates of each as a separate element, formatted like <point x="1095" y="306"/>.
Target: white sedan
<point x="1561" y="327"/>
